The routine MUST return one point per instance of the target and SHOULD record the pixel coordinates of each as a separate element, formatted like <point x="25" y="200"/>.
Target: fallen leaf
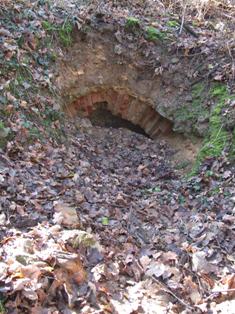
<point x="66" y="215"/>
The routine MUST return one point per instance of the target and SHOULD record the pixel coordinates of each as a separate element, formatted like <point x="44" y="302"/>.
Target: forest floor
<point x="105" y="225"/>
<point x="95" y="219"/>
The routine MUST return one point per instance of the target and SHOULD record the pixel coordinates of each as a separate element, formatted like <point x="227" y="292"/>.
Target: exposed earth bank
<point x="100" y="220"/>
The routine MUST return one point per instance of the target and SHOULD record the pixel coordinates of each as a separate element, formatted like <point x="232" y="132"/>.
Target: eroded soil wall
<point x="142" y="82"/>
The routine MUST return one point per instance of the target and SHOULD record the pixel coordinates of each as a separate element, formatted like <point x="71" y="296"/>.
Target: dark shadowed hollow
<point x="103" y="117"/>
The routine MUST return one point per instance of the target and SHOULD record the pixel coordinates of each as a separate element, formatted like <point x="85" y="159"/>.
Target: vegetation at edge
<point x="62" y="32"/>
<point x="218" y="139"/>
<point x="154" y="34"/>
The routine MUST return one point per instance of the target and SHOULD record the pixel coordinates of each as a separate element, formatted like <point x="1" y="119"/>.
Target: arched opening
<point x="121" y="110"/>
<point x="102" y="116"/>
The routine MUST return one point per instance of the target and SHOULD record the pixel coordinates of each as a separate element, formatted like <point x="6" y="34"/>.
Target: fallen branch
<point x="190" y="30"/>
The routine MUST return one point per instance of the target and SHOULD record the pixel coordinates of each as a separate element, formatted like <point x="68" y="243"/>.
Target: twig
<point x="186" y="27"/>
<point x="219" y="291"/>
<point x="182" y="20"/>
<point x="223" y="291"/>
<point x="167" y="290"/>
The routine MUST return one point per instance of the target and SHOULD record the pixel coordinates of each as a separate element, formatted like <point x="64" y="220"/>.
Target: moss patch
<point x="132" y="22"/>
<point x="218" y="139"/>
<point x="191" y="113"/>
<point x="173" y="24"/>
<point x="132" y="25"/>
<point x="154" y="34"/>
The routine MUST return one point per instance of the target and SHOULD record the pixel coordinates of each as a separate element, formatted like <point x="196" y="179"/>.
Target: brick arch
<point x="126" y="106"/>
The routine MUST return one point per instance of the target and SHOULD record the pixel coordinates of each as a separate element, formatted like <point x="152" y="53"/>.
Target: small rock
<point x="227" y="174"/>
<point x="2" y="219"/>
<point x="175" y="60"/>
<point x="118" y="49"/>
<point x="118" y="36"/>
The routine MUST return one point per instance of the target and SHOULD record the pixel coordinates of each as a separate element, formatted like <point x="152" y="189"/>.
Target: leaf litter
<point x="86" y="230"/>
<point x="103" y="223"/>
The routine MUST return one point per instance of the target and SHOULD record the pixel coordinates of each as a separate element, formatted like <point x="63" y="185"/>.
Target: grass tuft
<point x="63" y="32"/>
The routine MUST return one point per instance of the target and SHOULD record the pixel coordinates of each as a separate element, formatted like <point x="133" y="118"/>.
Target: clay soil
<point x="96" y="219"/>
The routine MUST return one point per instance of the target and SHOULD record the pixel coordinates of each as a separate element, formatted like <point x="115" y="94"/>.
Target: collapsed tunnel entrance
<point x="150" y="95"/>
<point x="119" y="108"/>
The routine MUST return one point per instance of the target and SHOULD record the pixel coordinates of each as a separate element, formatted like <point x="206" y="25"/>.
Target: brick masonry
<point x="126" y="106"/>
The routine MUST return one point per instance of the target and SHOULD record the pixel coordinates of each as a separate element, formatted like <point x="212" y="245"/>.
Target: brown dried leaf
<point x="66" y="215"/>
<point x="192" y="288"/>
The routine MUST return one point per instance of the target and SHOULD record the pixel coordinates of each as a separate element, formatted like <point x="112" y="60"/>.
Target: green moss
<point x="220" y="91"/>
<point x="192" y="112"/>
<point x="132" y="23"/>
<point x="154" y="34"/>
<point x="184" y="113"/>
<point x="218" y="139"/>
<point x="172" y="24"/>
